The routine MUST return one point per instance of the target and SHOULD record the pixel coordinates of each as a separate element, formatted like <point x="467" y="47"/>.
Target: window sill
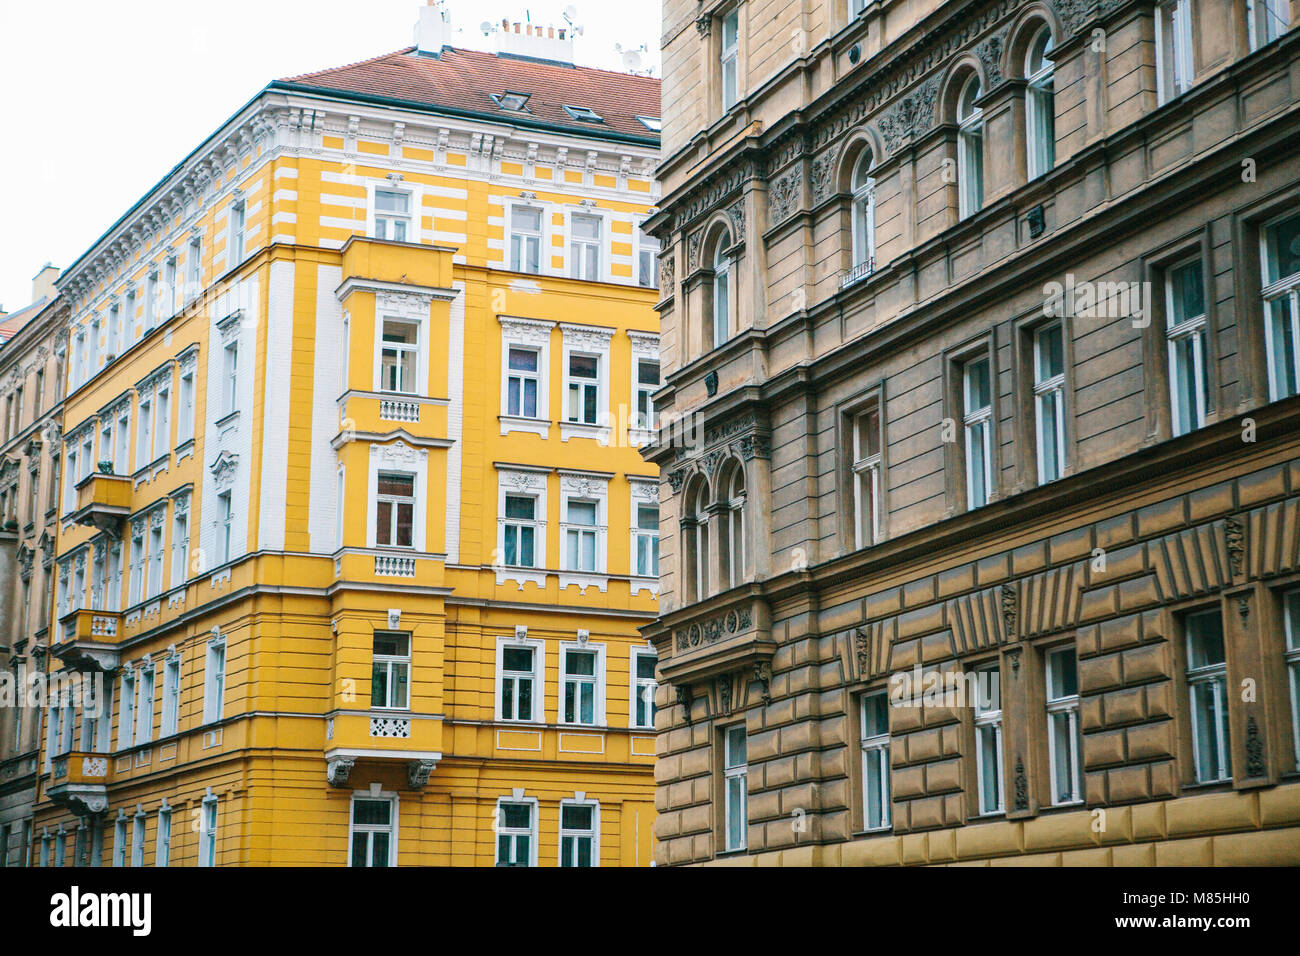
<point x="584" y="430"/>
<point x="230" y="418"/>
<point x="638" y="583"/>
<point x="519" y="423"/>
<point x="584" y="580"/>
<point x="522" y="576"/>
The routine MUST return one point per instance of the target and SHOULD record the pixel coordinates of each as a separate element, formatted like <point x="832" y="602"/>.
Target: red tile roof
<point x="463" y="80"/>
<point x="11" y="323"/>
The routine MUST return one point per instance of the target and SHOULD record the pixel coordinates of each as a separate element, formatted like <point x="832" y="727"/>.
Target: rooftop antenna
<point x="570" y="15"/>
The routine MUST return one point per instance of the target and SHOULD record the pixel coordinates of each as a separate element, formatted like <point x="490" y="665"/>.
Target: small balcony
<point x="858" y="273"/>
<point x="87" y="640"/>
<point x="103" y="501"/>
<point x="79" y="782"/>
<point x="386" y="736"/>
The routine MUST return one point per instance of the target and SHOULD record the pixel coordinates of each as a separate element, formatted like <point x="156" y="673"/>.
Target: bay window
<point x="390" y="672"/>
<point x="398" y="356"/>
<point x="395" y="510"/>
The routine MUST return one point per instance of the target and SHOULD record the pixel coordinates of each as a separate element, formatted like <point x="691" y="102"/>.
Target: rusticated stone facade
<point x="778" y="617"/>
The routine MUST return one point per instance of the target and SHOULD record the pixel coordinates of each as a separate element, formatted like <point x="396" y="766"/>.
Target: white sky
<point x="100" y="98"/>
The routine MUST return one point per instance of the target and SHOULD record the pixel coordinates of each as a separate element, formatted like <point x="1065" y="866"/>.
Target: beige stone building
<point x="33" y="344"/>
<point x="981" y="457"/>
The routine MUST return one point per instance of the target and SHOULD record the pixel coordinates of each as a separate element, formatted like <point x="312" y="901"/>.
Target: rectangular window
<point x="988" y="738"/>
<point x="584" y="388"/>
<point x="519" y="531"/>
<point x="119" y="842"/>
<point x="137" y="839"/>
<point x="643" y="688"/>
<point x="1280" y="243"/>
<point x="1291" y="625"/>
<point x="121" y="450"/>
<point x="93" y="361"/>
<point x="126" y="711"/>
<point x="162" y="422"/>
<point x="866" y="475"/>
<point x="580" y="536"/>
<point x="875" y="761"/>
<point x="194" y="269"/>
<point x="180" y="545"/>
<point x="579" y="692"/>
<point x="1207" y="692"/>
<point x="392" y="215"/>
<point x="1049" y="400"/>
<point x="155" y="572"/>
<point x="171" y="696"/>
<point x="150" y="301"/>
<point x="373" y="838"/>
<point x="647" y="383"/>
<point x="1186" y="329"/>
<point x="391" y="672"/>
<point x="977" y="416"/>
<point x="114" y="327"/>
<point x="128" y="321"/>
<point x="167" y="297"/>
<point x="645" y="540"/>
<point x="735" y="774"/>
<point x="584" y="247"/>
<point x="138" y="567"/>
<point x="208" y="832"/>
<point x="1268" y="20"/>
<point x="578" y="834"/>
<point x="185" y="412"/>
<point x="518" y="678"/>
<point x="516" y="834"/>
<point x="647" y="261"/>
<point x="230" y="377"/>
<point x="144" y="706"/>
<point x="214" y="683"/>
<point x="237" y="215"/>
<point x="1063" y="725"/>
<point x="1173" y="49"/>
<point x="525" y="239"/>
<point x="225" y="521"/>
<point x="398" y="356"/>
<point x="395" y="511"/>
<point x="729" y="59"/>
<point x="163" y="847"/>
<point x="522" y="382"/>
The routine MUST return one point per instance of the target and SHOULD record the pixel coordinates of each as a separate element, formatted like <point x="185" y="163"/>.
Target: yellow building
<point x="354" y="519"/>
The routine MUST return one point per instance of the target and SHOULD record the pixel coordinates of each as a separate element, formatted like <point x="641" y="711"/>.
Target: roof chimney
<point x="535" y="42"/>
<point x="43" y="283"/>
<point x="433" y="30"/>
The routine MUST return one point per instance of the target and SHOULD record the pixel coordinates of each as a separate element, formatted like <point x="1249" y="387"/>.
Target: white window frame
<point x="641" y="690"/>
<point x="722" y="292"/>
<point x="398" y="458"/>
<point x="224" y="527"/>
<point x="163" y="841"/>
<point x="209" y="822"/>
<point x="394" y="502"/>
<point x="214" y="680"/>
<point x="978" y="421"/>
<point x="171" y="694"/>
<point x="970" y="152"/>
<point x="500" y="830"/>
<point x="735" y="773"/>
<point x="1062" y="708"/>
<point x="988" y="721"/>
<point x="648" y="497"/>
<point x="584" y="487"/>
<point x="597" y="681"/>
<point x="1215" y="678"/>
<point x="875" y="751"/>
<point x="1040" y="109"/>
<point x="377" y="222"/>
<point x="593" y="834"/>
<point x="647" y="273"/>
<point x="145" y="683"/>
<point x="419" y="317"/>
<point x="863" y="221"/>
<point x="523" y="378"/>
<point x="1194" y="328"/>
<point x="1268" y="20"/>
<point x="526" y="334"/>
<point x="1175" y="65"/>
<point x="1280" y="292"/>
<point x="180" y="540"/>
<point x="138" y="824"/>
<point x="1049" y="389"/>
<point x="519" y="238"/>
<point x="119" y="839"/>
<point x="1291" y="660"/>
<point x="392" y="829"/>
<point x="589" y="341"/>
<point x="575" y="249"/>
<point x="729" y="58"/>
<point x="391" y="664"/>
<point x="236" y="231"/>
<point x="126" y="709"/>
<point x="402" y="352"/>
<point x="579" y="532"/>
<point x="523" y="483"/>
<point x="538" y="647"/>
<point x="867" y="474"/>
<point x="230" y="378"/>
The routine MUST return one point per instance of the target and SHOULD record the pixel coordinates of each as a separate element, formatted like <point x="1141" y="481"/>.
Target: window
<point x="579" y="693"/>
<point x="515" y="102"/>
<point x="1268" y="20"/>
<point x="79" y="362"/>
<point x="519" y="679"/>
<point x="230" y="377"/>
<point x="1173" y="49"/>
<point x="398" y="356"/>
<point x="128" y="321"/>
<point x="735" y="777"/>
<point x="519" y="531"/>
<point x="144" y="707"/>
<point x="185" y="411"/>
<point x="584" y="113"/>
<point x="374" y="840"/>
<point x="119" y="841"/>
<point x="214" y="682"/>
<point x="1291" y="624"/>
<point x="977" y="417"/>
<point x="645" y="540"/>
<point x="137" y="567"/>
<point x="583" y="388"/>
<point x="237" y="215"/>
<point x="721" y="290"/>
<point x="522" y="382"/>
<point x="93" y="360"/>
<point x="647" y="260"/>
<point x="1049" y="400"/>
<point x="580" y="535"/>
<point x="150" y="301"/>
<point x="390" y="674"/>
<point x="1280" y="243"/>
<point x="162" y="421"/>
<point x="863" y="230"/>
<point x="395" y="510"/>
<point x="194" y="268"/>
<point x="516" y="834"/>
<point x="988" y="738"/>
<point x="734" y="518"/>
<point x="392" y="215"/>
<point x="697" y="517"/>
<point x="653" y="123"/>
<point x="155" y="559"/>
<point x="208" y="832"/>
<point x="171" y="696"/>
<point x="225" y="521"/>
<point x="114" y="327"/>
<point x="647" y="383"/>
<point x="126" y="715"/>
<point x="163" y="847"/>
<point x="584" y="247"/>
<point x="728" y="58"/>
<point x="137" y="839"/>
<point x="578" y="834"/>
<point x="643" y="688"/>
<point x="121" y="451"/>
<point x="526" y="239"/>
<point x="1063" y="725"/>
<point x="866" y="475"/>
<point x="1185" y="308"/>
<point x="1040" y="109"/>
<point x="168" y="291"/>
<point x="180" y="542"/>
<point x="970" y="150"/>
<point x="1207" y="692"/>
<point x="875" y="761"/>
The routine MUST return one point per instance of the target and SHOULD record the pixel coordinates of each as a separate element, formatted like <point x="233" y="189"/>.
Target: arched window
<point x="721" y="288"/>
<point x="696" y="535"/>
<point x="733" y="506"/>
<point x="970" y="150"/>
<point x="1040" y="112"/>
<point x="864" y="216"/>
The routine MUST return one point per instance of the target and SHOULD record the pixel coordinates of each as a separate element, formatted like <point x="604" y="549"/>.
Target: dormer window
<point x="514" y="102"/>
<point x="652" y="123"/>
<point x="584" y="114"/>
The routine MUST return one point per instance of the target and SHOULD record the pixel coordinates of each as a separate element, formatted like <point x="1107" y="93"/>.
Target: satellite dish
<point x="486" y="27"/>
<point x="571" y="12"/>
<point x="631" y="61"/>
